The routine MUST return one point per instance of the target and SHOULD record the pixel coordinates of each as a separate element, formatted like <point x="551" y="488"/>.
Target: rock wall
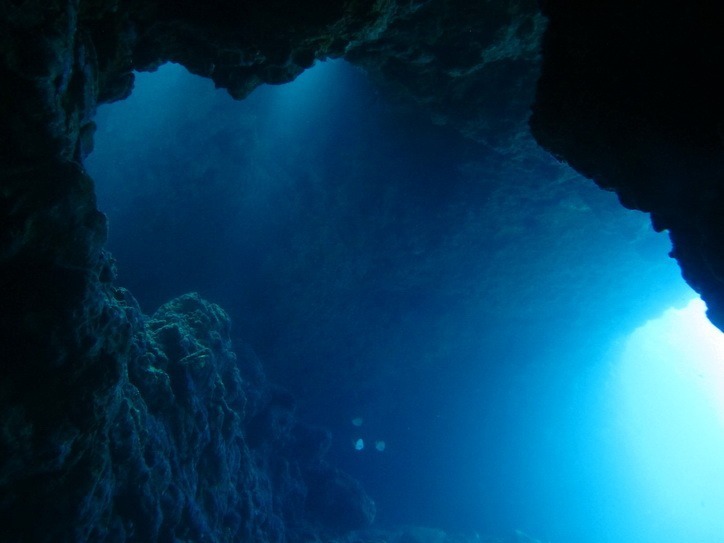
<point x="116" y="428"/>
<point x="159" y="432"/>
<point x="471" y="65"/>
<point x="630" y="96"/>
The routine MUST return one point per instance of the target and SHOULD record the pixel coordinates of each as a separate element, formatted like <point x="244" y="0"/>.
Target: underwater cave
<point x="345" y="271"/>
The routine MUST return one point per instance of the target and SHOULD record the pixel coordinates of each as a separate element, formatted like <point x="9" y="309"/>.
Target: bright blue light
<point x="298" y="106"/>
<point x="668" y="392"/>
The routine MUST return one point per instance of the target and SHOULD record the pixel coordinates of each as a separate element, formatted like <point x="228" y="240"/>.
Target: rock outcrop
<point x="630" y="96"/>
<point x="159" y="432"/>
<point x="470" y="65"/>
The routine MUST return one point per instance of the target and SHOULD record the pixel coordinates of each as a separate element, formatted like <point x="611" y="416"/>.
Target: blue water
<point x="341" y="233"/>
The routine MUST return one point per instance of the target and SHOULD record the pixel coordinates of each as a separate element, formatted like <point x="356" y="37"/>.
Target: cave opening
<point x="667" y="403"/>
<point x="409" y="287"/>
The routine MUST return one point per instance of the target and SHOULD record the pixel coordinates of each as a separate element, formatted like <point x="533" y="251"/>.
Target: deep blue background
<point x="353" y="243"/>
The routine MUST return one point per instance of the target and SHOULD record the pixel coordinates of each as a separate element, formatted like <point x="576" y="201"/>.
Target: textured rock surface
<point x="115" y="428"/>
<point x="471" y="65"/>
<point x="159" y="433"/>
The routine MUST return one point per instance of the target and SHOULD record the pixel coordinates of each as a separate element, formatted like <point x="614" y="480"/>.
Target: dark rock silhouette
<point x="164" y="440"/>
<point x="641" y="115"/>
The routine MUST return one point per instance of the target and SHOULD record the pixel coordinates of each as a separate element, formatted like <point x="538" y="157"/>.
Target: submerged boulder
<point x="169" y="449"/>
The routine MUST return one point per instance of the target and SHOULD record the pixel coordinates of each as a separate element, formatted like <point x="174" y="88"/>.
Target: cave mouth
<point x="667" y="405"/>
<point x="460" y="303"/>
